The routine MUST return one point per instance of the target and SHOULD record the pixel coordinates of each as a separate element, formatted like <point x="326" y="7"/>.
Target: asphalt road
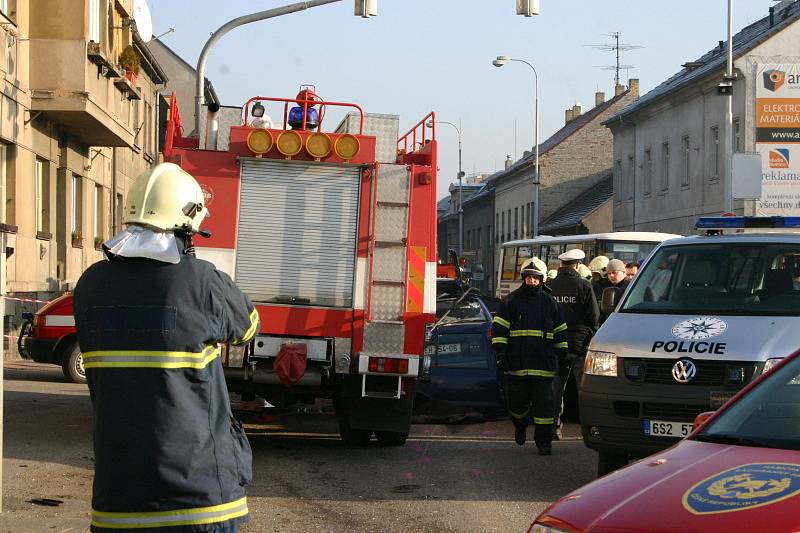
<point x="446" y="478"/>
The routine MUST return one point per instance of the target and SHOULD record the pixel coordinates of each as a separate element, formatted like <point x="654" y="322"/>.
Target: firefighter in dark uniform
<point x="575" y="296"/>
<point x="169" y="456"/>
<point x="527" y="333"/>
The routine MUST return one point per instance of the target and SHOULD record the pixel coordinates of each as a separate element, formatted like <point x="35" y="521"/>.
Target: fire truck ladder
<point x="384" y="331"/>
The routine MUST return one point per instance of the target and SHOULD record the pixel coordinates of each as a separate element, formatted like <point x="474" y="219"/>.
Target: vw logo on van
<point x="684" y="371"/>
<point x="702" y="327"/>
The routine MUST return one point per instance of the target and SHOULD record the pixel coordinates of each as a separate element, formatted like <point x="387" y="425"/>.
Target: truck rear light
<point x="38" y="321"/>
<point x="388" y="365"/>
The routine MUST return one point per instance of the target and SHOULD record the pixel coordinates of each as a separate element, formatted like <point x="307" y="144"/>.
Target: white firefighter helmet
<point x="599" y="264"/>
<point x="167" y="198"/>
<point x="552" y="273"/>
<point x="533" y="267"/>
<point x="584" y="272"/>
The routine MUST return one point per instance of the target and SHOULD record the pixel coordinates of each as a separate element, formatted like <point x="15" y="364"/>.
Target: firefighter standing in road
<point x="168" y="453"/>
<point x="577" y="300"/>
<point x="527" y="333"/>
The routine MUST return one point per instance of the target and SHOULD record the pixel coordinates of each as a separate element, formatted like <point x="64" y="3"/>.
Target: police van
<point x="705" y="316"/>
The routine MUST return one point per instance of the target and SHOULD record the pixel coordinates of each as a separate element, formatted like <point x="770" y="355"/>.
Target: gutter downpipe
<point x="199" y="94"/>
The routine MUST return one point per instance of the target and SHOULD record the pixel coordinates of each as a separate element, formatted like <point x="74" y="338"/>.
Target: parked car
<point x="737" y="471"/>
<point x="462" y="374"/>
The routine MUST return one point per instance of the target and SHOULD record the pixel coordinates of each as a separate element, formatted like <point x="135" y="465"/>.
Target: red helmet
<point x="308" y="94"/>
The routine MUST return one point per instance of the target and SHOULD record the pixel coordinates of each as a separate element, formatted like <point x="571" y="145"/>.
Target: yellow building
<point x="75" y="128"/>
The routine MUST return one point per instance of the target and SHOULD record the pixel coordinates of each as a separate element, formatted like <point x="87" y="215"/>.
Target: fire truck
<point x="332" y="235"/>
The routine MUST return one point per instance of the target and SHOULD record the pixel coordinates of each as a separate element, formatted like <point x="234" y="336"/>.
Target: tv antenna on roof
<point x="616" y="47"/>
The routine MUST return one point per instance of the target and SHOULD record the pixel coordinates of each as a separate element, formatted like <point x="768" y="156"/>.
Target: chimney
<point x="619" y="89"/>
<point x="568" y="116"/>
<point x="722" y="45"/>
<point x="509" y="161"/>
<point x="599" y="98"/>
<point x="633" y="86"/>
<point x="771" y="16"/>
<point x="577" y="110"/>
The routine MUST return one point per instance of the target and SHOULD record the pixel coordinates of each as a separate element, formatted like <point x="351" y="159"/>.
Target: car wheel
<point x="391" y="438"/>
<point x="350" y="435"/>
<point x="72" y="364"/>
<point x="608" y="462"/>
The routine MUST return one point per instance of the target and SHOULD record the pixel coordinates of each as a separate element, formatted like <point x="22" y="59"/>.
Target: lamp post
<point x="499" y="62"/>
<point x="460" y="189"/>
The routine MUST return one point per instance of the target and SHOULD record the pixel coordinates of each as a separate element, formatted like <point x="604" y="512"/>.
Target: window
<point x="686" y="156"/>
<point x="647" y="182"/>
<point x="4" y="195"/>
<point x="630" y="182"/>
<point x="503" y="226"/>
<point x="98" y="212"/>
<point x="528" y="227"/>
<point x="497" y="227"/>
<point x="149" y="138"/>
<point x="737" y="136"/>
<point x="489" y="236"/>
<point x="617" y="181"/>
<point x="94" y="20"/>
<point x="42" y="195"/>
<point x="516" y="222"/>
<point x="665" y="168"/>
<point x="77" y="205"/>
<point x="715" y="153"/>
<point x="508" y="236"/>
<point x="477" y="238"/>
<point x="469" y="236"/>
<point x="118" y="207"/>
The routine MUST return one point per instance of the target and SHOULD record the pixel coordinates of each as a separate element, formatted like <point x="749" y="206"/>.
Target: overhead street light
<point x="527" y="8"/>
<point x="460" y="188"/>
<point x="499" y="62"/>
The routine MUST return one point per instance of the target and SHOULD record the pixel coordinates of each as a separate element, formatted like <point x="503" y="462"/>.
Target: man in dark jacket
<point x="527" y="333"/>
<point x="169" y="456"/>
<point x="615" y="277"/>
<point x="576" y="298"/>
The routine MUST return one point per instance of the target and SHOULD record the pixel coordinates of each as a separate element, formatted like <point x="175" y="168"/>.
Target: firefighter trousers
<point x="530" y="398"/>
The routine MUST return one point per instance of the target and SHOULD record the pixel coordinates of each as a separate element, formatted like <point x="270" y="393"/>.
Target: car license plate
<point x="450" y="348"/>
<point x="662" y="428"/>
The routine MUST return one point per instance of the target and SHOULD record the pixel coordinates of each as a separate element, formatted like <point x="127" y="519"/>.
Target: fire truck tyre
<point x="72" y="364"/>
<point x="608" y="462"/>
<point x="391" y="438"/>
<point x="352" y="436"/>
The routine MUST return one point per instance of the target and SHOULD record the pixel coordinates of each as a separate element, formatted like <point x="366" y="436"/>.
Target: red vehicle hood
<point x="694" y="486"/>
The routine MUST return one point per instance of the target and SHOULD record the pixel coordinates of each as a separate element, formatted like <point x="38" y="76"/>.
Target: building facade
<point x="75" y="129"/>
<point x="669" y="161"/>
<point x="572" y="161"/>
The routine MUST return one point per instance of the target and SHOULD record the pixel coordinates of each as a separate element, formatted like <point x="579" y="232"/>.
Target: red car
<point x="739" y="470"/>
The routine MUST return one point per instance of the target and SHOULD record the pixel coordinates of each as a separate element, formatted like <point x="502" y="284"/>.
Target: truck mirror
<point x="609" y="300"/>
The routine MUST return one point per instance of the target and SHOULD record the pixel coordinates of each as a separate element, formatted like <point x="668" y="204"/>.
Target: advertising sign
<point x="778" y="138"/>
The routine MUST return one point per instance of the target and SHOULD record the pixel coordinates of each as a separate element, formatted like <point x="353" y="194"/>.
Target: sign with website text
<point x="778" y="138"/>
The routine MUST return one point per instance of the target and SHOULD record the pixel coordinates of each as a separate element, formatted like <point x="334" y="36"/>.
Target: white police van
<point x="705" y="315"/>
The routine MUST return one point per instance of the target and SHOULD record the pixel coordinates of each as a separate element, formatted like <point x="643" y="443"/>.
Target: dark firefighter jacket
<point x="528" y="331"/>
<point x="168" y="452"/>
<point x="576" y="297"/>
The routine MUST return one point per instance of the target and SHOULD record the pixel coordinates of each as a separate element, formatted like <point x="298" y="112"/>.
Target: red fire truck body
<point x="336" y="249"/>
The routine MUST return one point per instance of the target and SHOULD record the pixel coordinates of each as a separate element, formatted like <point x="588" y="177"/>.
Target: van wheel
<point x="608" y="462"/>
<point x="391" y="438"/>
<point x="72" y="364"/>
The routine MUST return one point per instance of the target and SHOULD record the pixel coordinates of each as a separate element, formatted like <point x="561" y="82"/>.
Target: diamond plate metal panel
<point x="391" y="224"/>
<point x="385" y="128"/>
<point x="389" y="264"/>
<point x="384" y="338"/>
<point x="387" y="301"/>
<point x="393" y="183"/>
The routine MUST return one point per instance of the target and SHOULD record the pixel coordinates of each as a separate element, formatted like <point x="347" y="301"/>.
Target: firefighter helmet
<point x="584" y="272"/>
<point x="167" y="198"/>
<point x="533" y="267"/>
<point x="552" y="273"/>
<point x="599" y="264"/>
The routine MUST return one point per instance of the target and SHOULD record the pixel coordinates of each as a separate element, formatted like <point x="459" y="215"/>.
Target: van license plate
<point x="662" y="428"/>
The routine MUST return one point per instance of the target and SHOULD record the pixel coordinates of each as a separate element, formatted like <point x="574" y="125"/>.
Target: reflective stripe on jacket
<point x="168" y="452"/>
<point x="527" y="331"/>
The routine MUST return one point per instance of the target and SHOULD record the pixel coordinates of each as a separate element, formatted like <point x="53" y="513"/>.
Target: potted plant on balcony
<point x="77" y="239"/>
<point x="98" y="243"/>
<point x="130" y="61"/>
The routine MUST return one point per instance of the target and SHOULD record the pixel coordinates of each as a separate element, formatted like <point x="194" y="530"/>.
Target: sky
<point x="418" y="56"/>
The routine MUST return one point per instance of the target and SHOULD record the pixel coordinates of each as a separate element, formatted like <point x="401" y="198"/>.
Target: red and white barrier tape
<point x="25" y="300"/>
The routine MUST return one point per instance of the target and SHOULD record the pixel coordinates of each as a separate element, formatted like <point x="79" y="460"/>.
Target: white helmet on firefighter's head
<point x="166" y="198"/>
<point x="584" y="272"/>
<point x="599" y="264"/>
<point x="533" y="267"/>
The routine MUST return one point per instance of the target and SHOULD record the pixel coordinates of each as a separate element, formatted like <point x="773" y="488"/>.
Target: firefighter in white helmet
<point x="169" y="456"/>
<point x="598" y="266"/>
<point x="527" y="334"/>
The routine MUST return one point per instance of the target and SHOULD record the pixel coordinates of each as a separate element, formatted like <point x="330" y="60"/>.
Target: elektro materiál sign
<point x="778" y="138"/>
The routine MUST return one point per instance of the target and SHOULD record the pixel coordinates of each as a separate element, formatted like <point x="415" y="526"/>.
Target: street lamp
<point x="460" y="189"/>
<point x="499" y="62"/>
